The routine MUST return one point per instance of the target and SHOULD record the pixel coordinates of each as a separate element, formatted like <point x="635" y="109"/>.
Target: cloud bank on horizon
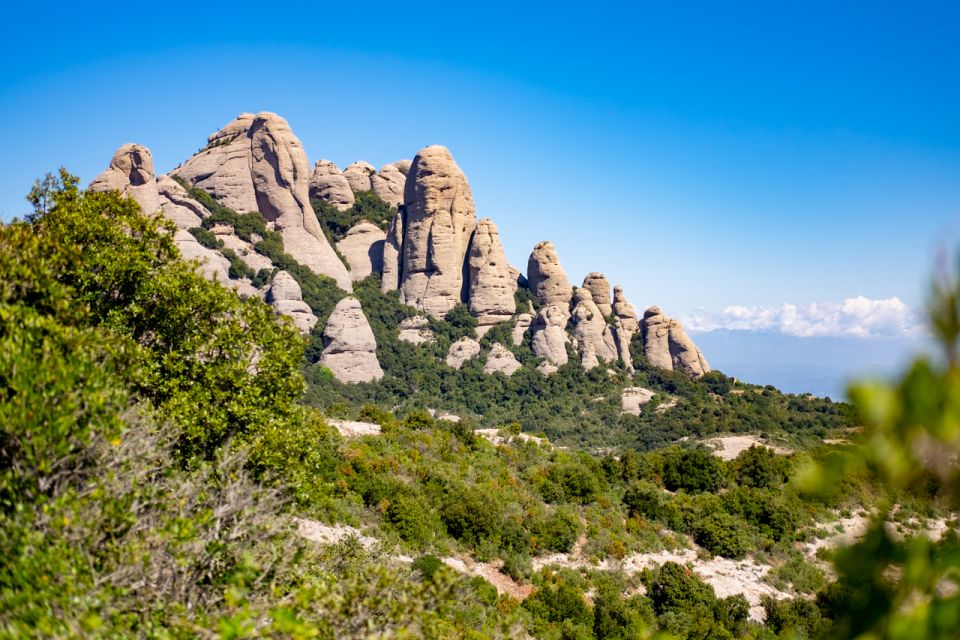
<point x="857" y="317"/>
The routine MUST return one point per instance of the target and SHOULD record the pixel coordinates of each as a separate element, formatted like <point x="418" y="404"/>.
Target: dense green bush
<point x="693" y="470"/>
<point x="723" y="535"/>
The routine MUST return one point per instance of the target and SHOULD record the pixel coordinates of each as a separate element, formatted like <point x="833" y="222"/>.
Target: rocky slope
<point x="434" y="252"/>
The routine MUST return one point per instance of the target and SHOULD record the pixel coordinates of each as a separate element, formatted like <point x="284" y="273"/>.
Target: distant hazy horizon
<point x="823" y="366"/>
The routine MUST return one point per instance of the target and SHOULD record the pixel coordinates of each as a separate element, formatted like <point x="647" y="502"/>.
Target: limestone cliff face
<point x="178" y="206"/>
<point x="547" y="279"/>
<point x="666" y="344"/>
<point x="501" y="360"/>
<point x="625" y="325"/>
<point x="350" y="349"/>
<point x="131" y="173"/>
<point x="440" y="219"/>
<point x="285" y="296"/>
<point x="362" y="247"/>
<point x="392" y="247"/>
<point x="329" y="184"/>
<point x="549" y="334"/>
<point x="389" y="182"/>
<point x="255" y="163"/>
<point x="591" y="332"/>
<point x="599" y="287"/>
<point x="491" y="285"/>
<point x="359" y="175"/>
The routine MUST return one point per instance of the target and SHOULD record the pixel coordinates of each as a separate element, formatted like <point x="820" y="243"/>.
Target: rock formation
<point x="131" y="173"/>
<point x="599" y="287"/>
<point x="329" y="184"/>
<point x="624" y="310"/>
<point x="362" y="247"/>
<point x="547" y="279"/>
<point x="285" y="296"/>
<point x="634" y="398"/>
<point x="389" y="182"/>
<point x="491" y="287"/>
<point x="440" y="218"/>
<point x="350" y="350"/>
<point x="591" y="332"/>
<point x="500" y="359"/>
<point x="178" y="206"/>
<point x="520" y="326"/>
<point x="666" y="344"/>
<point x="462" y="350"/>
<point x="392" y="247"/>
<point x="212" y="264"/>
<point x="358" y="175"/>
<point x="416" y="330"/>
<point x="625" y="325"/>
<point x="255" y="163"/>
<point x="549" y="334"/>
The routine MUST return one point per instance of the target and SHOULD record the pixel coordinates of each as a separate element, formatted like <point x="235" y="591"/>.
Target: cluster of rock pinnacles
<point x="436" y="253"/>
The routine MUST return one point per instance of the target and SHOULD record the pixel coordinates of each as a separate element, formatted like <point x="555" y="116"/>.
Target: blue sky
<point x="749" y="155"/>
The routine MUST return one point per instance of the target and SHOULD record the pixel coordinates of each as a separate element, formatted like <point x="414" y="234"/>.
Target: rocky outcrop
<point x="547" y="279"/>
<point x="625" y="325"/>
<point x="362" y="248"/>
<point x="520" y="326"/>
<point x="440" y="218"/>
<point x="501" y="360"/>
<point x="624" y="310"/>
<point x="462" y="350"/>
<point x="599" y="287"/>
<point x="666" y="344"/>
<point x="285" y="296"/>
<point x="349" y="348"/>
<point x="255" y="163"/>
<point x="131" y="173"/>
<point x="178" y="206"/>
<point x="634" y="398"/>
<point x="328" y="183"/>
<point x="416" y="330"/>
<point x="591" y="332"/>
<point x="243" y="249"/>
<point x="549" y="334"/>
<point x="222" y="168"/>
<point x="392" y="247"/>
<point x="491" y="287"/>
<point x="358" y="175"/>
<point x="389" y="182"/>
<point x="212" y="265"/>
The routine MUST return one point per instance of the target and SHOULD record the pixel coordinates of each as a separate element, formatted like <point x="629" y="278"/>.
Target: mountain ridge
<point x="434" y="251"/>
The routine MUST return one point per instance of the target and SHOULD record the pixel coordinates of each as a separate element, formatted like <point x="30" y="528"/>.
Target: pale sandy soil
<point x="350" y="429"/>
<point x="496" y="437"/>
<point x="727" y="577"/>
<point x="729" y="447"/>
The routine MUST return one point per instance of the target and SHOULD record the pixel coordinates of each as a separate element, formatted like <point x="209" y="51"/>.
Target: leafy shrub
<point x="723" y="535"/>
<point x="760" y="467"/>
<point x="427" y="565"/>
<point x="558" y="531"/>
<point x="206" y="238"/>
<point x="470" y="515"/>
<point x="645" y="499"/>
<point x="693" y="470"/>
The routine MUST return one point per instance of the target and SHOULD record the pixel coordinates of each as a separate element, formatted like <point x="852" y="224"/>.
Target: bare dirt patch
<point x="351" y="429"/>
<point x="729" y="447"/>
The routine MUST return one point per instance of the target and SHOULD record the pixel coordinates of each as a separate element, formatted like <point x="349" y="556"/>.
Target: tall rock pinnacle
<point x="440" y="219"/>
<point x="255" y="163"/>
<point x="491" y="285"/>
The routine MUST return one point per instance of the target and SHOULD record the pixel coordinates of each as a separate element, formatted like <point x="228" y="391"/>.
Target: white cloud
<point x="858" y="317"/>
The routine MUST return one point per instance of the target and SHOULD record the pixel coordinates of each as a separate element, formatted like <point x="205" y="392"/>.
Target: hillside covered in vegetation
<point x="166" y="441"/>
